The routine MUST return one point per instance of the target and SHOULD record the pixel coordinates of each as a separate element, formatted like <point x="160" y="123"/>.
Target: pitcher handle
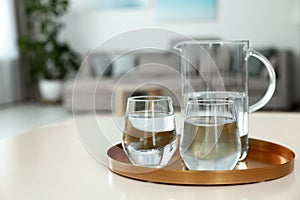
<point x="272" y="81"/>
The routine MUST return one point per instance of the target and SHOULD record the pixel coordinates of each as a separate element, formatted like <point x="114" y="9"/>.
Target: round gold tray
<point x="265" y="161"/>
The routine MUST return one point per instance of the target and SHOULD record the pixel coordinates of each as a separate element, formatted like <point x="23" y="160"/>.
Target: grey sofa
<point x="95" y="86"/>
<point x="95" y="89"/>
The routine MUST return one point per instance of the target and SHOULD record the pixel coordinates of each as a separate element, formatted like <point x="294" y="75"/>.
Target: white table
<point x="51" y="163"/>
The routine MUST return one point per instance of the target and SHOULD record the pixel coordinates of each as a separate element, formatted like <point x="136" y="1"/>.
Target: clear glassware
<point x="219" y="69"/>
<point x="210" y="138"/>
<point x="149" y="138"/>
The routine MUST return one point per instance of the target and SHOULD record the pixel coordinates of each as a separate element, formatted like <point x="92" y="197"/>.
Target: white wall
<point x="264" y="22"/>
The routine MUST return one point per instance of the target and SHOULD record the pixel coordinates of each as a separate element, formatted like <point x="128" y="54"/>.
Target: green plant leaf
<point x="44" y="53"/>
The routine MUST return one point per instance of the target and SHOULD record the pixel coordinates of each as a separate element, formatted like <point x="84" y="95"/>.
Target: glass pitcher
<point x="219" y="70"/>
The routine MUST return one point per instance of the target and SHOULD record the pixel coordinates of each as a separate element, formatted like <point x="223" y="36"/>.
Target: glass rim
<point x="210" y="102"/>
<point x="145" y="98"/>
<point x="199" y="42"/>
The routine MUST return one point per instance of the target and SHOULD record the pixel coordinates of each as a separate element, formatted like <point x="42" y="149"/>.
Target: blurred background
<point x="46" y="41"/>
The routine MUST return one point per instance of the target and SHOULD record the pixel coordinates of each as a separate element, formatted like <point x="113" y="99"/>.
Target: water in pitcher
<point x="149" y="141"/>
<point x="241" y="104"/>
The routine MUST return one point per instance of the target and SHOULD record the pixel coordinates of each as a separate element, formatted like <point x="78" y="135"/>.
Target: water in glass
<point x="150" y="141"/>
<point x="210" y="144"/>
<point x="240" y="101"/>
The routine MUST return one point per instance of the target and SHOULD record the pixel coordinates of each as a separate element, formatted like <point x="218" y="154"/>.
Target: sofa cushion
<point x="100" y="65"/>
<point x="255" y="66"/>
<point x="123" y="64"/>
<point x="158" y="64"/>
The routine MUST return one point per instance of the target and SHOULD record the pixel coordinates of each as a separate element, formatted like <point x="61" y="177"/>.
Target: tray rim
<point x="220" y="177"/>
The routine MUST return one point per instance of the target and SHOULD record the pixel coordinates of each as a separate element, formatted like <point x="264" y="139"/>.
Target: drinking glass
<point x="149" y="138"/>
<point x="210" y="138"/>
